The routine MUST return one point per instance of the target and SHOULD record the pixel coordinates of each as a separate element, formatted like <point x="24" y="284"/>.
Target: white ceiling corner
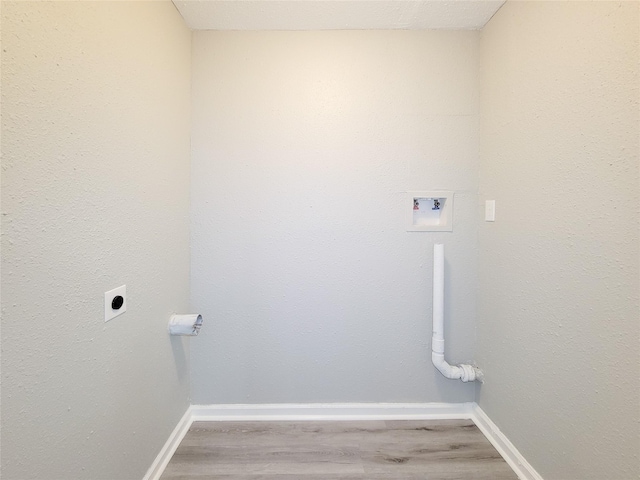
<point x="337" y="14"/>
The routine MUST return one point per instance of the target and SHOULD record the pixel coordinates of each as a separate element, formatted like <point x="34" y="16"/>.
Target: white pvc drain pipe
<point x="464" y="372"/>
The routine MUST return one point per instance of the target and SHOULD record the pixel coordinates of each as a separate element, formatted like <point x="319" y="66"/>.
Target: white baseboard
<point x="509" y="452"/>
<point x="345" y="411"/>
<point x="170" y="446"/>
<point x="333" y="411"/>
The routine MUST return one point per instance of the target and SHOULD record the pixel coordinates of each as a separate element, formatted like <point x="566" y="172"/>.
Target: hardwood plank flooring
<point x="340" y="450"/>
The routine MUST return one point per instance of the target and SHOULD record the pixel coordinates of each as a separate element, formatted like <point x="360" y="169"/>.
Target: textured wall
<point x="95" y="179"/>
<point x="303" y="145"/>
<point x="558" y="312"/>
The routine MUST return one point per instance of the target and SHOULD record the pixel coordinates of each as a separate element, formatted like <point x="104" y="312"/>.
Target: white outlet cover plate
<point x="110" y="313"/>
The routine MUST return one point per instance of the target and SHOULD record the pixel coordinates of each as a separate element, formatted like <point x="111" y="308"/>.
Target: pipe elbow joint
<point x="464" y="372"/>
<point x="449" y="371"/>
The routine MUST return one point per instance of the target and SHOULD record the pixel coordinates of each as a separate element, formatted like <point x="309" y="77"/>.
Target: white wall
<point x="558" y="309"/>
<point x="95" y="180"/>
<point x="303" y="144"/>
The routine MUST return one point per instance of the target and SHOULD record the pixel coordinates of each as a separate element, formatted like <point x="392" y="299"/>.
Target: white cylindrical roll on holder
<point x="185" y="324"/>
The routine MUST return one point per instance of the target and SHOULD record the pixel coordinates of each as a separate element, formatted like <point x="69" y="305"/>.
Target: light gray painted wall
<point x="558" y="310"/>
<point x="303" y="144"/>
<point x="95" y="180"/>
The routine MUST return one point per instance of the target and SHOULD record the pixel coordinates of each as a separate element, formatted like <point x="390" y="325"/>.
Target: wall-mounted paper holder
<point x="187" y="324"/>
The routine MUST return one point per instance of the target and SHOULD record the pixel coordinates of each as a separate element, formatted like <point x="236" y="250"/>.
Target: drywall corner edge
<point x="505" y="448"/>
<point x="160" y="463"/>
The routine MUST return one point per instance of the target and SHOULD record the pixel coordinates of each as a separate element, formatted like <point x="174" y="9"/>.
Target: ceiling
<point x="337" y="14"/>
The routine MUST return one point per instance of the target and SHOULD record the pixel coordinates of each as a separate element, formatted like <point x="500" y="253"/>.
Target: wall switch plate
<point x="115" y="302"/>
<point x="490" y="211"/>
<point x="429" y="211"/>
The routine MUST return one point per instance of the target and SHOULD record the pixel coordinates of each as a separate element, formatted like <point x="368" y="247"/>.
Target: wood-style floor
<point x="362" y="450"/>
